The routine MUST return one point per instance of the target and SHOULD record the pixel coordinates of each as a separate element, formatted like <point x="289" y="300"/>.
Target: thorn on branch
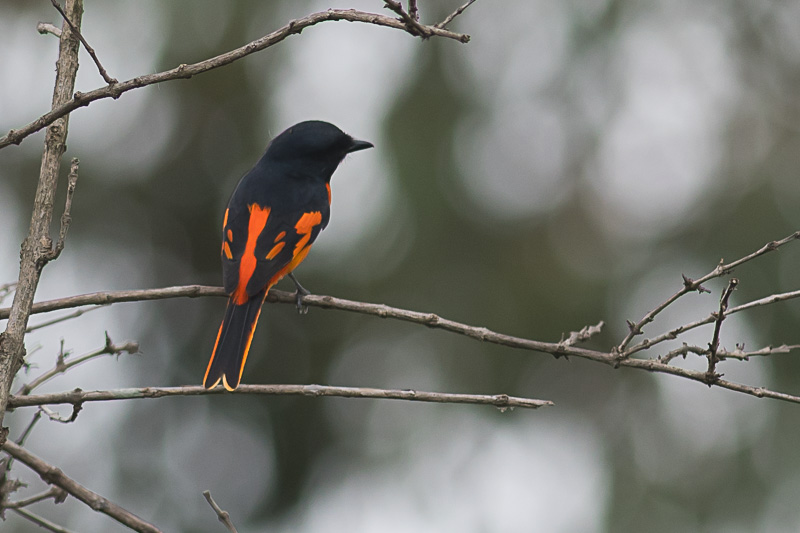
<point x="633" y="327"/>
<point x="712" y="378"/>
<point x="691" y="285"/>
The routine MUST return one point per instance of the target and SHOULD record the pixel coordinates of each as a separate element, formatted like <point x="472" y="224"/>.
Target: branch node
<point x="691" y="285"/>
<point x="412" y="25"/>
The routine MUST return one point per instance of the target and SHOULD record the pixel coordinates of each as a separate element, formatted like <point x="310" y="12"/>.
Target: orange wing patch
<point x="291" y="266"/>
<point x="225" y="219"/>
<point x="304" y="227"/>
<point x="227" y="250"/>
<point x="328" y="186"/>
<point x="247" y="264"/>
<point x="275" y="250"/>
<point x="280" y="236"/>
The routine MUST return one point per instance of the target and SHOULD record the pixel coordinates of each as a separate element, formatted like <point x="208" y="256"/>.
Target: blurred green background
<point x="565" y="166"/>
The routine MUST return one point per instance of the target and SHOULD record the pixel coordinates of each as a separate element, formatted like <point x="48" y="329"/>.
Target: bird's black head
<point x="314" y="145"/>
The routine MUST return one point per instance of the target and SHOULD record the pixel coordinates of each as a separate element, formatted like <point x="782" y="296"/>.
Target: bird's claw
<point x="298" y="297"/>
<point x="301" y="293"/>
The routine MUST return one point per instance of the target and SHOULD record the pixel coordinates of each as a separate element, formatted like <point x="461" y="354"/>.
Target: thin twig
<point x="583" y="335"/>
<point x="21" y="440"/>
<point x="55" y="417"/>
<point x="443" y="24"/>
<point x="36" y="417"/>
<point x="683" y="351"/>
<point x="62" y="365"/>
<point x="412" y="24"/>
<point x="223" y="516"/>
<point x="413" y="9"/>
<point x="742" y="355"/>
<point x="54" y="476"/>
<point x="56" y="493"/>
<point x="713" y="346"/>
<point x="41" y="522"/>
<point x="690" y="285"/>
<point x="70" y="316"/>
<point x="108" y="79"/>
<point x="294" y="27"/>
<point x="111" y="297"/>
<point x="66" y="218"/>
<point x="78" y="396"/>
<point x="674" y="333"/>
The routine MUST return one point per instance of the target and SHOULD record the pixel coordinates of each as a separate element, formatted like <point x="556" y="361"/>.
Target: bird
<point x="274" y="215"/>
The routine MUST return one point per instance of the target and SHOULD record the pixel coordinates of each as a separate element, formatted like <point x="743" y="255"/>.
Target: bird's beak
<point x="357" y="145"/>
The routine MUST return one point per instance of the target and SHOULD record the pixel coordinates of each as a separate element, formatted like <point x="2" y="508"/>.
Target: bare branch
<point x="653" y="365"/>
<point x="108" y="79"/>
<point x="454" y="14"/>
<point x="70" y="316"/>
<point x="41" y="522"/>
<point x="585" y="333"/>
<point x="66" y="218"/>
<point x="38" y="244"/>
<point x="78" y="397"/>
<point x="411" y="23"/>
<point x="56" y="493"/>
<point x="434" y="321"/>
<point x="430" y="320"/>
<point x="674" y="333"/>
<point x="742" y="355"/>
<point x="55" y="417"/>
<point x="690" y="285"/>
<point x="187" y="71"/>
<point x="413" y="10"/>
<point x="62" y="365"/>
<point x="223" y="516"/>
<point x="111" y="297"/>
<point x="719" y="317"/>
<point x="36" y="417"/>
<point x="683" y="351"/>
<point x="723" y="354"/>
<point x="54" y="476"/>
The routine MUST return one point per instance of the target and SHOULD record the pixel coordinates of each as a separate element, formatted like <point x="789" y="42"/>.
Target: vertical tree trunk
<point x="38" y="245"/>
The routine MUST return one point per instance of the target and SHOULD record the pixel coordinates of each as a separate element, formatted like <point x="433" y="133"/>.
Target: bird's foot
<point x="299" y="294"/>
